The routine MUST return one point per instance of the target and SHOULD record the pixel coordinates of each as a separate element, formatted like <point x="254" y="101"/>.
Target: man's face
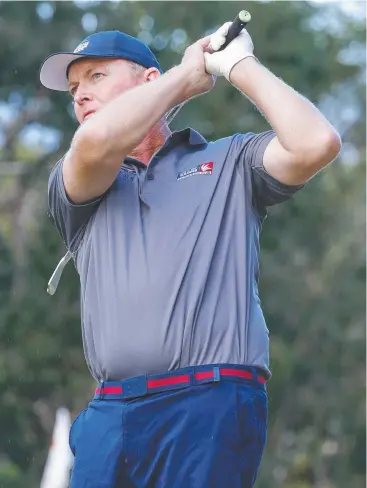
<point x="94" y="82"/>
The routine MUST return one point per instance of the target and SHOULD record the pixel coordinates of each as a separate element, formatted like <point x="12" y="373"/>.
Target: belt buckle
<point x="134" y="387"/>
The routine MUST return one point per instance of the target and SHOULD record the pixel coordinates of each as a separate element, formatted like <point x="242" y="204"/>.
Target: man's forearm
<point x="299" y="125"/>
<point x="122" y="124"/>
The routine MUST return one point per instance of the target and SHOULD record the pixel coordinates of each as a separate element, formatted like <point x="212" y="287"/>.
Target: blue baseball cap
<point x="105" y="44"/>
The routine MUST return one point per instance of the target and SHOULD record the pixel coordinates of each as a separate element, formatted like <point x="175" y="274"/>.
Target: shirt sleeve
<point x="70" y="219"/>
<point x="264" y="189"/>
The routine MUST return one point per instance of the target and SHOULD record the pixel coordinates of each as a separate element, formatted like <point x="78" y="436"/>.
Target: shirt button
<point x="150" y="176"/>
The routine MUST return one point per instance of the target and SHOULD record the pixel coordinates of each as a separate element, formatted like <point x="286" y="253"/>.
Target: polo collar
<point x="185" y="135"/>
<point x="190" y="135"/>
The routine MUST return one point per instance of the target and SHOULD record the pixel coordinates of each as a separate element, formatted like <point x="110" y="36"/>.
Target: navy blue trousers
<point x="207" y="436"/>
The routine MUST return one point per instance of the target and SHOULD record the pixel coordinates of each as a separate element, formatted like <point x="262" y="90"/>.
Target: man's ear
<point x="151" y="74"/>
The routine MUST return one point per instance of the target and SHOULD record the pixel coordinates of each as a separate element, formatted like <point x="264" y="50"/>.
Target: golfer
<point x="164" y="231"/>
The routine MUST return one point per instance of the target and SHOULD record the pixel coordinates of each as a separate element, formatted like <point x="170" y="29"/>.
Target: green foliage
<point x="313" y="247"/>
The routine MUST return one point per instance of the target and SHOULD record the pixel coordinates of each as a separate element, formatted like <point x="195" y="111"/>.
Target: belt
<point x="143" y="385"/>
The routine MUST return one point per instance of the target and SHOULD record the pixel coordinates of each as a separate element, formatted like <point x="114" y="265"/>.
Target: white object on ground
<point x="60" y="458"/>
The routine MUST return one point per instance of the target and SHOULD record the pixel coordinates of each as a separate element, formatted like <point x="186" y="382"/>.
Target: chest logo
<point x="201" y="169"/>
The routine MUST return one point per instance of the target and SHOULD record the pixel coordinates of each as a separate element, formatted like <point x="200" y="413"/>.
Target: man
<point x="164" y="231"/>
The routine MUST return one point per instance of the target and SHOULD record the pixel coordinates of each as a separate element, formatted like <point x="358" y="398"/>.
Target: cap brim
<point x="53" y="70"/>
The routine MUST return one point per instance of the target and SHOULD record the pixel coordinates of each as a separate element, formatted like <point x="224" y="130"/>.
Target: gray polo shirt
<point x="168" y="257"/>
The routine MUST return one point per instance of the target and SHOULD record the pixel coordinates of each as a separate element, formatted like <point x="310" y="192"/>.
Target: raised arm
<point x="305" y="141"/>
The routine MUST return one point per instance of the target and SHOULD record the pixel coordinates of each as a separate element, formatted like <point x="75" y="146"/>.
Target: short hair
<point x="137" y="68"/>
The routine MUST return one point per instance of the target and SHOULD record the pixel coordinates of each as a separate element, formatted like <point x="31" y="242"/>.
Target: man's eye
<point x="97" y="75"/>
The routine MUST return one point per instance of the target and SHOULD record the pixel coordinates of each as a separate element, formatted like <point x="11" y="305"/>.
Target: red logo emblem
<point x="206" y="167"/>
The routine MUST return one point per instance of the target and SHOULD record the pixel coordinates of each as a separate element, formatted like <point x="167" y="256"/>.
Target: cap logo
<point x="81" y="46"/>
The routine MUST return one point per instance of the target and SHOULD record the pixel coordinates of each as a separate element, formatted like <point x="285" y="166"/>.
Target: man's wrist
<point x="181" y="76"/>
<point x="244" y="65"/>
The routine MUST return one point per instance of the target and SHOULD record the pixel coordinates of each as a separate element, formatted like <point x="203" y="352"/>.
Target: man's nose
<point x="82" y="96"/>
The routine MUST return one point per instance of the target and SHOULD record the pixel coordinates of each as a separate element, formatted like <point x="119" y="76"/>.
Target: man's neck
<point x="153" y="141"/>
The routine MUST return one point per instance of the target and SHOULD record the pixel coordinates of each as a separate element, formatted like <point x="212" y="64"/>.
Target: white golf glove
<point x="221" y="63"/>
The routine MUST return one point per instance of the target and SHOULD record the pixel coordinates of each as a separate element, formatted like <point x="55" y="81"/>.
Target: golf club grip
<point x="242" y="19"/>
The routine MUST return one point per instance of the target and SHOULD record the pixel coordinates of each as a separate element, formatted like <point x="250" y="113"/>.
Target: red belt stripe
<point x="184" y="378"/>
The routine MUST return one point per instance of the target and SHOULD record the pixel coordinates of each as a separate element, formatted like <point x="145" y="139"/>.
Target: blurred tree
<point x="313" y="267"/>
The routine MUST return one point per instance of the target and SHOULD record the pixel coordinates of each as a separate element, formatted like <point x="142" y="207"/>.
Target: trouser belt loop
<point x="254" y="372"/>
<point x="192" y="376"/>
<point x="101" y="391"/>
<point x="216" y="373"/>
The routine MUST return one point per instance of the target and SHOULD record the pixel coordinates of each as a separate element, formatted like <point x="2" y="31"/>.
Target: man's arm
<point x="104" y="140"/>
<point x="305" y="141"/>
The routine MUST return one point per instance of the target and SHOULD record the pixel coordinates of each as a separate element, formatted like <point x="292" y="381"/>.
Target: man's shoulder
<point x="235" y="137"/>
<point x="56" y="167"/>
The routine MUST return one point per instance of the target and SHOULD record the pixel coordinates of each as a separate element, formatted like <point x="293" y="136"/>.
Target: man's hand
<point x="221" y="63"/>
<point x="193" y="68"/>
